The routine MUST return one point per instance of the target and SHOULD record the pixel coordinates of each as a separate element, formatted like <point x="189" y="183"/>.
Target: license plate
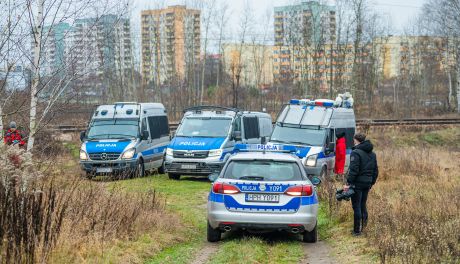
<point x="264" y="198"/>
<point x="104" y="170"/>
<point x="188" y="166"/>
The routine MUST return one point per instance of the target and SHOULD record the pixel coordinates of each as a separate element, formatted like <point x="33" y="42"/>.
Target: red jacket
<point x="340" y="155"/>
<point x="13" y="138"/>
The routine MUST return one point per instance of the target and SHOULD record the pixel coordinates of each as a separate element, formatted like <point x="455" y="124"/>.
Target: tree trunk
<point x="458" y="88"/>
<point x="36" y="78"/>
<point x="1" y="125"/>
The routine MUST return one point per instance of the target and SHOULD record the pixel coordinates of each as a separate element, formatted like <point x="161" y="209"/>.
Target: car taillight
<point x="224" y="188"/>
<point x="300" y="190"/>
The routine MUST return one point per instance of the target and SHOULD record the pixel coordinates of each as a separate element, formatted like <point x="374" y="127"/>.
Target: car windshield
<point x="298" y="135"/>
<point x="204" y="127"/>
<point x="114" y="128"/>
<point x="263" y="170"/>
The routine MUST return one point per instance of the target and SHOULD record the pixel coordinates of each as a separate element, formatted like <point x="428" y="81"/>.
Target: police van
<point x="206" y="137"/>
<point x="125" y="139"/>
<point x="311" y="127"/>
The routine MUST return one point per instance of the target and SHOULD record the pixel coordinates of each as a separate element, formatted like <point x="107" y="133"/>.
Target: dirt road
<point x="317" y="253"/>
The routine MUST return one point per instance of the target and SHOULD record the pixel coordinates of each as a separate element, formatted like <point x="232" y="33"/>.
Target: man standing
<point x="13" y="136"/>
<point x="362" y="174"/>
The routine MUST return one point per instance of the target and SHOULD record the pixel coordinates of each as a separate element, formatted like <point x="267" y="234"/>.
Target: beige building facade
<point x="170" y="43"/>
<point x="252" y="64"/>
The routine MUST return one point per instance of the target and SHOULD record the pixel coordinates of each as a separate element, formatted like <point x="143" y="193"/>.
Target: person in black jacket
<point x="362" y="175"/>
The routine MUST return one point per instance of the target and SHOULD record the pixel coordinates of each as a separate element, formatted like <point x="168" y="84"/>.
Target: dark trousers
<point x="358" y="202"/>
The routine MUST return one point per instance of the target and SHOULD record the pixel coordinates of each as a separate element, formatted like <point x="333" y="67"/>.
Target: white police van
<point x="206" y="137"/>
<point x="311" y="127"/>
<point x="125" y="139"/>
<point x="262" y="189"/>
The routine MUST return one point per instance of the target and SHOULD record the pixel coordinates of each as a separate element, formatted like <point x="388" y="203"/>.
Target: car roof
<point x="258" y="155"/>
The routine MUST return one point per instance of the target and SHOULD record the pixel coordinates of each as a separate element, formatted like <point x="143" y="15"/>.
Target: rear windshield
<point x="263" y="170"/>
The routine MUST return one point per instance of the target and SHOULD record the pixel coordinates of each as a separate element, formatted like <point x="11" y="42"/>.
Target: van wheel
<point x="173" y="176"/>
<point x="161" y="170"/>
<point x="213" y="234"/>
<point x="310" y="236"/>
<point x="140" y="170"/>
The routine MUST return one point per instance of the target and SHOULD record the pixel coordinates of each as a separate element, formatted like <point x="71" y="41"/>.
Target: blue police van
<point x="125" y="139"/>
<point x="206" y="137"/>
<point x="311" y="127"/>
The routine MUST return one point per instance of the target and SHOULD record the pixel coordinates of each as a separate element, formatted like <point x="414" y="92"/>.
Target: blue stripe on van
<point x="154" y="151"/>
<point x="196" y="143"/>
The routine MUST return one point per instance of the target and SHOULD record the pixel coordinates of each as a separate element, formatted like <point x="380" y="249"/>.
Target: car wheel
<point x="213" y="234"/>
<point x="173" y="176"/>
<point x="161" y="170"/>
<point x="140" y="170"/>
<point x="310" y="236"/>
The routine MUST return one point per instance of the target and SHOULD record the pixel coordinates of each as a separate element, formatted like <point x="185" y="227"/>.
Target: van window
<point x="237" y="124"/>
<point x="144" y="126"/>
<point x="349" y="133"/>
<point x="158" y="126"/>
<point x="251" y="127"/>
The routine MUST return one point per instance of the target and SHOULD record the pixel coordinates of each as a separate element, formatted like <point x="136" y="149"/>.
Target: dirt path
<point x="317" y="253"/>
<point x="205" y="253"/>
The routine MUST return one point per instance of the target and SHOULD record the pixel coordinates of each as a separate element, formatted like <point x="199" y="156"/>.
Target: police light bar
<point x="319" y="102"/>
<point x="264" y="148"/>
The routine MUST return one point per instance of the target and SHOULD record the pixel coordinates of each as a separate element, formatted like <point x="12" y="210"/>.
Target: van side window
<point x="158" y="126"/>
<point x="163" y="126"/>
<point x="331" y="136"/>
<point x="154" y="127"/>
<point x="144" y="126"/>
<point x="237" y="124"/>
<point x="349" y="134"/>
<point x="251" y="127"/>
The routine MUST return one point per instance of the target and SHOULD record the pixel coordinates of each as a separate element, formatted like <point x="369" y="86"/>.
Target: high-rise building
<point x="52" y="58"/>
<point x="101" y="45"/>
<point x="304" y="24"/>
<point x="170" y="44"/>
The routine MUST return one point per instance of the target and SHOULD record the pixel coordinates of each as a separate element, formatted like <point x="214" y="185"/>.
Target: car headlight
<point x="129" y="154"/>
<point x="310" y="161"/>
<point x="215" y="153"/>
<point x="83" y="155"/>
<point x="169" y="151"/>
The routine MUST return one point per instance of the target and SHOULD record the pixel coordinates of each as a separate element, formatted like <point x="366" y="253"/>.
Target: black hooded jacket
<point x="363" y="170"/>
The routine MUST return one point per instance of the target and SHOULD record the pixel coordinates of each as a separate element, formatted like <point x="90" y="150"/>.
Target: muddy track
<point x="205" y="253"/>
<point x="317" y="253"/>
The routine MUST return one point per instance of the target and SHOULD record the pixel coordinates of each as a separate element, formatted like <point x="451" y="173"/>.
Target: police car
<point x="263" y="188"/>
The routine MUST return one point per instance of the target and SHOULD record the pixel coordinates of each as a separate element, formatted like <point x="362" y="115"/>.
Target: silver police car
<point x="263" y="191"/>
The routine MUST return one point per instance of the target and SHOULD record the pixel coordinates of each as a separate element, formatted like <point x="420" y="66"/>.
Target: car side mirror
<point x="315" y="180"/>
<point x="145" y="135"/>
<point x="82" y="135"/>
<point x="331" y="147"/>
<point x="237" y="135"/>
<point x="213" y="177"/>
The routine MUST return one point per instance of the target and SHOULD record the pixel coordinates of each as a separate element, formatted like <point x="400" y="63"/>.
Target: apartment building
<point x="170" y="45"/>
<point x="304" y="24"/>
<point x="251" y="63"/>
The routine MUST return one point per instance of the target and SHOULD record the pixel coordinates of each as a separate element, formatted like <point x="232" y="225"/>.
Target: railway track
<point x="359" y="122"/>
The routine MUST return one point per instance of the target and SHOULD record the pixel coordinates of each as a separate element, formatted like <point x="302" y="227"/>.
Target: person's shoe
<point x="355" y="234"/>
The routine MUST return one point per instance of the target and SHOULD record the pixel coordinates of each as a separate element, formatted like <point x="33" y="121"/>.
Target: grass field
<point x="157" y="220"/>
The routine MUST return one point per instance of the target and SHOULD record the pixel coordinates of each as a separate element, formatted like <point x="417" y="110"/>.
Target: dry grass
<point x="414" y="208"/>
<point x="55" y="216"/>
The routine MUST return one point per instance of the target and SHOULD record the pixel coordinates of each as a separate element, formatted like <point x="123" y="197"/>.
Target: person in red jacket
<point x="340" y="154"/>
<point x="13" y="136"/>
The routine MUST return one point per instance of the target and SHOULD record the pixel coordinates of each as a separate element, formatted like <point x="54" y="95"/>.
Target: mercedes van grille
<point x="104" y="156"/>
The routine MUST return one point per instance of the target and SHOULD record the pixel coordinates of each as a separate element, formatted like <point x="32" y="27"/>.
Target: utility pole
<point x="36" y="76"/>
